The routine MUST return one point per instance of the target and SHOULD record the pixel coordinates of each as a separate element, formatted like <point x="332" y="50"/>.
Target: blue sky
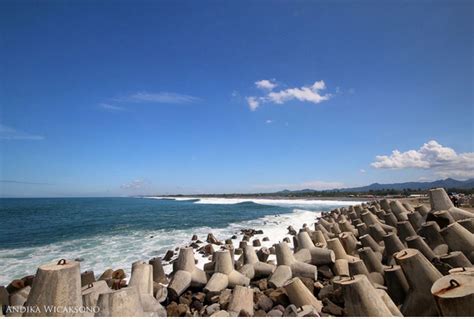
<point x="128" y="97"/>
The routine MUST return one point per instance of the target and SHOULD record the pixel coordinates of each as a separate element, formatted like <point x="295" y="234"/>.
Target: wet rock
<point x="15" y="285"/>
<point x="246" y="238"/>
<point x="263" y="254"/>
<point x="211" y="239"/>
<point x="206" y="250"/>
<point x="197" y="305"/>
<point x="28" y="280"/>
<point x="200" y="296"/>
<point x="291" y="231"/>
<point x="264" y="303"/>
<point x="169" y="254"/>
<point x="287" y="240"/>
<point x="183" y="310"/>
<point x="259" y="232"/>
<point x="266" y="239"/>
<point x="228" y="242"/>
<point x="172" y="309"/>
<point x="238" y="251"/>
<point x="194" y="245"/>
<point x="119" y="274"/>
<point x="256" y="243"/>
<point x="195" y="237"/>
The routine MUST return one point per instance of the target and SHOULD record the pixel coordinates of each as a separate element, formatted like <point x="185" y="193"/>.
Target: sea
<point x="115" y="232"/>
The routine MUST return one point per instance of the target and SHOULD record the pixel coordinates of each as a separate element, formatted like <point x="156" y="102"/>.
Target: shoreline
<point x="332" y="236"/>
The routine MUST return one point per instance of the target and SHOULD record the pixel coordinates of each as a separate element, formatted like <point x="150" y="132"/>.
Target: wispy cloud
<point x="9" y="133"/>
<point x="316" y="185"/>
<point x="363" y="171"/>
<point x="311" y="94"/>
<point x="159" y="97"/>
<point x="269" y="121"/>
<point x="111" y="107"/>
<point x="135" y="184"/>
<point x="443" y="161"/>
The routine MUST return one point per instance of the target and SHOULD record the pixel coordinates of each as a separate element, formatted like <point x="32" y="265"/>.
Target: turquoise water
<point x="112" y="232"/>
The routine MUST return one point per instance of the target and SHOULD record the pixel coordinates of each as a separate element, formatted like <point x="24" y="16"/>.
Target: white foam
<point x="121" y="250"/>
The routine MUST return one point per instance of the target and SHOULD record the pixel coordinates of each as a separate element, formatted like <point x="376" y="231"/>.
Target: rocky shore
<point x="380" y="258"/>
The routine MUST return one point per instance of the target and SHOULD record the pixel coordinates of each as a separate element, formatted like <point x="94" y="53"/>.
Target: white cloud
<point x="443" y="161"/>
<point x="159" y="97"/>
<point x="316" y="185"/>
<point x="311" y="94"/>
<point x="266" y="85"/>
<point x="111" y="107"/>
<point x="9" y="133"/>
<point x="253" y="102"/>
<point x="135" y="184"/>
<point x="363" y="171"/>
<point x="269" y="121"/>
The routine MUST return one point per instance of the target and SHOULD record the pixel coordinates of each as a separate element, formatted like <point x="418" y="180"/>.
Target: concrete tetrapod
<point x="361" y="298"/>
<point x="158" y="271"/>
<point x="467" y="223"/>
<point x="300" y="295"/>
<point x="319" y="256"/>
<point x="253" y="268"/>
<point x="454" y="295"/>
<point x="397" y="285"/>
<point x="439" y="200"/>
<point x="399" y="210"/>
<point x="225" y="276"/>
<point x="421" y="275"/>
<point x="288" y="267"/>
<point x="124" y="302"/>
<point x="91" y="292"/>
<point x="456" y="259"/>
<point x="393" y="244"/>
<point x="56" y="285"/>
<point x="431" y="232"/>
<point x="142" y="279"/>
<point x="241" y="301"/>
<point x="460" y="239"/>
<point x="416" y="242"/>
<point x="389" y="303"/>
<point x="186" y="274"/>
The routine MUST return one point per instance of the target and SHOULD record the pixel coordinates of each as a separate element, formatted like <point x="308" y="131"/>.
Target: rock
<point x="200" y="296"/>
<point x="233" y="237"/>
<point x="169" y="254"/>
<point x="263" y="254"/>
<point x="196" y="304"/>
<point x="228" y="242"/>
<point x="260" y="313"/>
<point x="317" y="287"/>
<point x="245" y="238"/>
<point x="256" y="243"/>
<point x="15" y="285"/>
<point x="259" y="232"/>
<point x="275" y="313"/>
<point x="262" y="284"/>
<point x="220" y="313"/>
<point x="325" y="271"/>
<point x="172" y="309"/>
<point x="194" y="245"/>
<point x="182" y="310"/>
<point x="326" y="291"/>
<point x="28" y="280"/>
<point x="224" y="298"/>
<point x="264" y="303"/>
<point x="212" y="309"/>
<point x="287" y="240"/>
<point x="107" y="274"/>
<point x="291" y="311"/>
<point x="119" y="274"/>
<point x="291" y="231"/>
<point x="211" y="239"/>
<point x="272" y="250"/>
<point x="195" y="237"/>
<point x="331" y="308"/>
<point x="238" y="251"/>
<point x="307" y="311"/>
<point x="278" y="296"/>
<point x="266" y="239"/>
<point x="206" y="250"/>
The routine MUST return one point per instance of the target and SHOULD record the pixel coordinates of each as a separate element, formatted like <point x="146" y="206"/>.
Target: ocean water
<point x="115" y="232"/>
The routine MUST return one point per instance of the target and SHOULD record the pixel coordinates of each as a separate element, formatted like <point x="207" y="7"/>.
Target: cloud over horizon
<point x="158" y="97"/>
<point x="443" y="161"/>
<point x="310" y="94"/>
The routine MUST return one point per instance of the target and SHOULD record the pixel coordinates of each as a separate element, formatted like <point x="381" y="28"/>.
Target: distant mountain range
<point x="445" y="183"/>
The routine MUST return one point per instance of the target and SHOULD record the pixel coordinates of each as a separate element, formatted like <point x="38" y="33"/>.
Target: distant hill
<point x="444" y="183"/>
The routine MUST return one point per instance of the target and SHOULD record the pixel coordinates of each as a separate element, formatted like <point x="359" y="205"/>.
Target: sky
<point x="113" y="98"/>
